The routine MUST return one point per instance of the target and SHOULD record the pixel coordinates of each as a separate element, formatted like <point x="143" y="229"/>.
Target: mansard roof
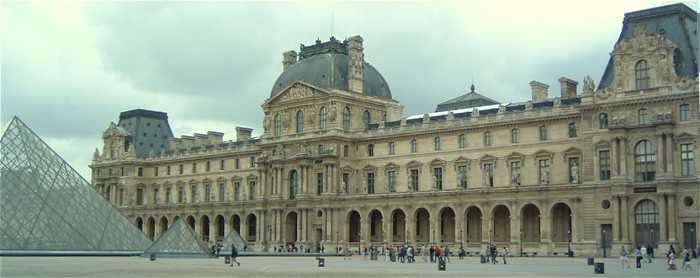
<point x="468" y="100"/>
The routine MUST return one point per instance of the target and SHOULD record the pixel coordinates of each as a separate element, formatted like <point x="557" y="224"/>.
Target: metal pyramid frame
<point x="232" y="238"/>
<point x="178" y="241"/>
<point x="46" y="206"/>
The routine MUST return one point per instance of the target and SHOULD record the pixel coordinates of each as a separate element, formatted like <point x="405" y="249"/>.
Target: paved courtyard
<point x="307" y="267"/>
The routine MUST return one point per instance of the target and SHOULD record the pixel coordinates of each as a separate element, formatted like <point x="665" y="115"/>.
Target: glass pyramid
<point x="232" y="238"/>
<point x="45" y="205"/>
<point x="178" y="240"/>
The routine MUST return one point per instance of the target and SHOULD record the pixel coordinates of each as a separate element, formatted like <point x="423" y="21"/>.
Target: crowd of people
<point x="644" y="255"/>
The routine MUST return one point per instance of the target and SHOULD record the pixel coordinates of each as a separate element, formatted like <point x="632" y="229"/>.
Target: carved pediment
<point x="414" y="164"/>
<point x="544" y="154"/>
<point x="437" y="162"/>
<point x="602" y="144"/>
<point x="369" y="168"/>
<point x="391" y="166"/>
<point x="295" y="91"/>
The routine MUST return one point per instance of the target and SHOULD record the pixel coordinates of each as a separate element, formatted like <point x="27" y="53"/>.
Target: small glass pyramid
<point x="45" y="205"/>
<point x="179" y="240"/>
<point x="232" y="238"/>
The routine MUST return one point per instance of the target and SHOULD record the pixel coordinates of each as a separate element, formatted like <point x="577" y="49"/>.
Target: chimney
<point x="539" y="90"/>
<point x="568" y="87"/>
<point x="355" y="64"/>
<point x="215" y="137"/>
<point x="243" y="133"/>
<point x="290" y="58"/>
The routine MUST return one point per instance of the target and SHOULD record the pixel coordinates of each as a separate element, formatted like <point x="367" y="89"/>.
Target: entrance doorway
<point x="646" y="217"/>
<point x="606" y="238"/>
<point x="318" y="235"/>
<point x="689" y="235"/>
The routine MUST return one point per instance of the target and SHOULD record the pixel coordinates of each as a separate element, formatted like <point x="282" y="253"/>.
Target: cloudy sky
<point x="69" y="68"/>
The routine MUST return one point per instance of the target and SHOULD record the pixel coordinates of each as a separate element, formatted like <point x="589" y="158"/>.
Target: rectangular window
<point x="515" y="173"/>
<point x="252" y="162"/>
<point x="370" y="183"/>
<point x="346" y="151"/>
<point x="437" y="174"/>
<point x="515" y="136"/>
<point x="461" y="141"/>
<point x="462" y="176"/>
<point x="139" y="196"/>
<point x="544" y="171"/>
<point x="207" y="193"/>
<point x="543" y="133"/>
<point x="488" y="174"/>
<point x="370" y="150"/>
<point x="236" y="191"/>
<point x="222" y="164"/>
<point x="684" y="111"/>
<point x="121" y="196"/>
<point x="167" y="170"/>
<point x="194" y="193"/>
<point x="391" y="180"/>
<point x="604" y="164"/>
<point x="181" y="195"/>
<point x="414" y="180"/>
<point x="251" y="190"/>
<point x="222" y="191"/>
<point x="392" y="148"/>
<point x="346" y="183"/>
<point x="181" y="170"/>
<point x="140" y="171"/>
<point x="168" y="196"/>
<point x="155" y="171"/>
<point x="194" y="167"/>
<point x="237" y="163"/>
<point x="686" y="159"/>
<point x="156" y="196"/>
<point x="319" y="183"/>
<point x="208" y="166"/>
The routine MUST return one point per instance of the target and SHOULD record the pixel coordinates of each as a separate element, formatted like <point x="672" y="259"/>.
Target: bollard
<point x="321" y="262"/>
<point x="227" y="259"/>
<point x="153" y="257"/>
<point x="590" y="260"/>
<point x="599" y="268"/>
<point x="441" y="264"/>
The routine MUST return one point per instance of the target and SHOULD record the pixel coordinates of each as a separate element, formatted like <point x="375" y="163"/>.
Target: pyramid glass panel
<point x="232" y="238"/>
<point x="47" y="206"/>
<point x="178" y="240"/>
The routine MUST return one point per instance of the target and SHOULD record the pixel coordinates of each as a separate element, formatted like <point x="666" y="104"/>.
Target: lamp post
<point x="521" y="242"/>
<point x="461" y="239"/>
<point x="336" y="242"/>
<point x="605" y="243"/>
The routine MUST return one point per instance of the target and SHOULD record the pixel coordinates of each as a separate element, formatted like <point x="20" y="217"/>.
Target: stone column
<point x="616" y="229"/>
<point x="614" y="164"/>
<point x="672" y="218"/>
<point x="663" y="219"/>
<point x="459" y="225"/>
<point x="670" y="159"/>
<point x="515" y="233"/>
<point x="385" y="229"/>
<point x="623" y="157"/>
<point x="660" y="155"/>
<point x="624" y="203"/>
<point x="261" y="227"/>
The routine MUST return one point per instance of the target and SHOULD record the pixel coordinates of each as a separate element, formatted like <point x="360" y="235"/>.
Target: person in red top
<point x="438" y="252"/>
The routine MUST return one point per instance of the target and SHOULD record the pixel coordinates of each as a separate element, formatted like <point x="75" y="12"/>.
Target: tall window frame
<point x="323" y="118"/>
<point x="687" y="159"/>
<point x="487" y="138"/>
<point x="603" y="120"/>
<point x="684" y="112"/>
<point x="437" y="144"/>
<point x="515" y="136"/>
<point x="645" y="161"/>
<point x="277" y="123"/>
<point x="346" y="118"/>
<point x="641" y="75"/>
<point x="300" y="121"/>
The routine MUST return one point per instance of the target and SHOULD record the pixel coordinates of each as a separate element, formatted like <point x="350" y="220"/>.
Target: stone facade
<point x="336" y="168"/>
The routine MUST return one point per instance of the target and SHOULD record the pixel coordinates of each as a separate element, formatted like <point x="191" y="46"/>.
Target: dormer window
<point x="641" y="75"/>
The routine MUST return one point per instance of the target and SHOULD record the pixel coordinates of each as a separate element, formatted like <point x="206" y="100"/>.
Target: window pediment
<point x="251" y="177"/>
<point x="686" y="138"/>
<point x="437" y="162"/>
<point x="369" y="168"/>
<point x="236" y="178"/>
<point x="391" y="166"/>
<point x="414" y="164"/>
<point x="572" y="151"/>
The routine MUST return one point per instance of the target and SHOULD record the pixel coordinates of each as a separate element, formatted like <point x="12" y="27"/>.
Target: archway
<point x="151" y="227"/>
<point x="293" y="184"/>
<point x="376" y="226"/>
<point x="530" y="223"/>
<point x="561" y="223"/>
<point x="354" y="226"/>
<point x="139" y="223"/>
<point x="290" y="228"/>
<point x="646" y="220"/>
<point x="473" y="221"/>
<point x="220" y="228"/>
<point x="447" y="225"/>
<point x="163" y="225"/>
<point x="501" y="224"/>
<point x="205" y="228"/>
<point x="422" y="225"/>
<point x="236" y="224"/>
<point x="191" y="222"/>
<point x="252" y="222"/>
<point x="398" y="225"/>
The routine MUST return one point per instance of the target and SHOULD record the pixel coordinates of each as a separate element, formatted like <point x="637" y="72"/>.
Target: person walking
<point x="461" y="253"/>
<point x="432" y="254"/>
<point x="685" y="255"/>
<point x="446" y="254"/>
<point x="671" y="260"/>
<point x="487" y="253"/>
<point x="644" y="251"/>
<point x="234" y="255"/>
<point x="494" y="254"/>
<point x="505" y="254"/>
<point x="638" y="257"/>
<point x="624" y="257"/>
<point x="438" y="253"/>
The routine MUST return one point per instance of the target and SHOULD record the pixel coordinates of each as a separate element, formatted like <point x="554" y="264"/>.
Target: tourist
<point x="432" y="254"/>
<point x="685" y="255"/>
<point x="638" y="257"/>
<point x="446" y="253"/>
<point x="234" y="255"/>
<point x="461" y="253"/>
<point x="643" y="250"/>
<point x="410" y="254"/>
<point x="671" y="260"/>
<point x="438" y="253"/>
<point x="494" y="254"/>
<point x="624" y="257"/>
<point x="487" y="253"/>
<point x="505" y="254"/>
<point x="650" y="253"/>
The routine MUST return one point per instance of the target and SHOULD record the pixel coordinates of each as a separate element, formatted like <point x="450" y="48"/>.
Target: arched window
<point x="461" y="141"/>
<point x="642" y="116"/>
<point x="437" y="144"/>
<point x="603" y="120"/>
<point x="487" y="138"/>
<point x="300" y="121"/>
<point x="366" y="119"/>
<point x="414" y="146"/>
<point x="684" y="111"/>
<point x="641" y="74"/>
<point x="573" y="131"/>
<point x="515" y="136"/>
<point x="323" y="118"/>
<point x="645" y="161"/>
<point x="277" y="125"/>
<point x="346" y="118"/>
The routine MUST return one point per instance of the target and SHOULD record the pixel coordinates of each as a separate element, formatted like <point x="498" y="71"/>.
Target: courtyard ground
<point x="307" y="267"/>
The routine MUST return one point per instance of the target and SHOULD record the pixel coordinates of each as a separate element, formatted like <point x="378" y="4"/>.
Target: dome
<point x="330" y="71"/>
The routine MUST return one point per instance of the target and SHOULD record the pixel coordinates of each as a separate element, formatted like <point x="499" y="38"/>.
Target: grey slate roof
<point x="676" y="22"/>
<point x="327" y="67"/>
<point x="471" y="99"/>
<point x="148" y="130"/>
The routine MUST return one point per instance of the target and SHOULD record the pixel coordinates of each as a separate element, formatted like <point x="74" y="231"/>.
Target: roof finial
<point x="472" y="88"/>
